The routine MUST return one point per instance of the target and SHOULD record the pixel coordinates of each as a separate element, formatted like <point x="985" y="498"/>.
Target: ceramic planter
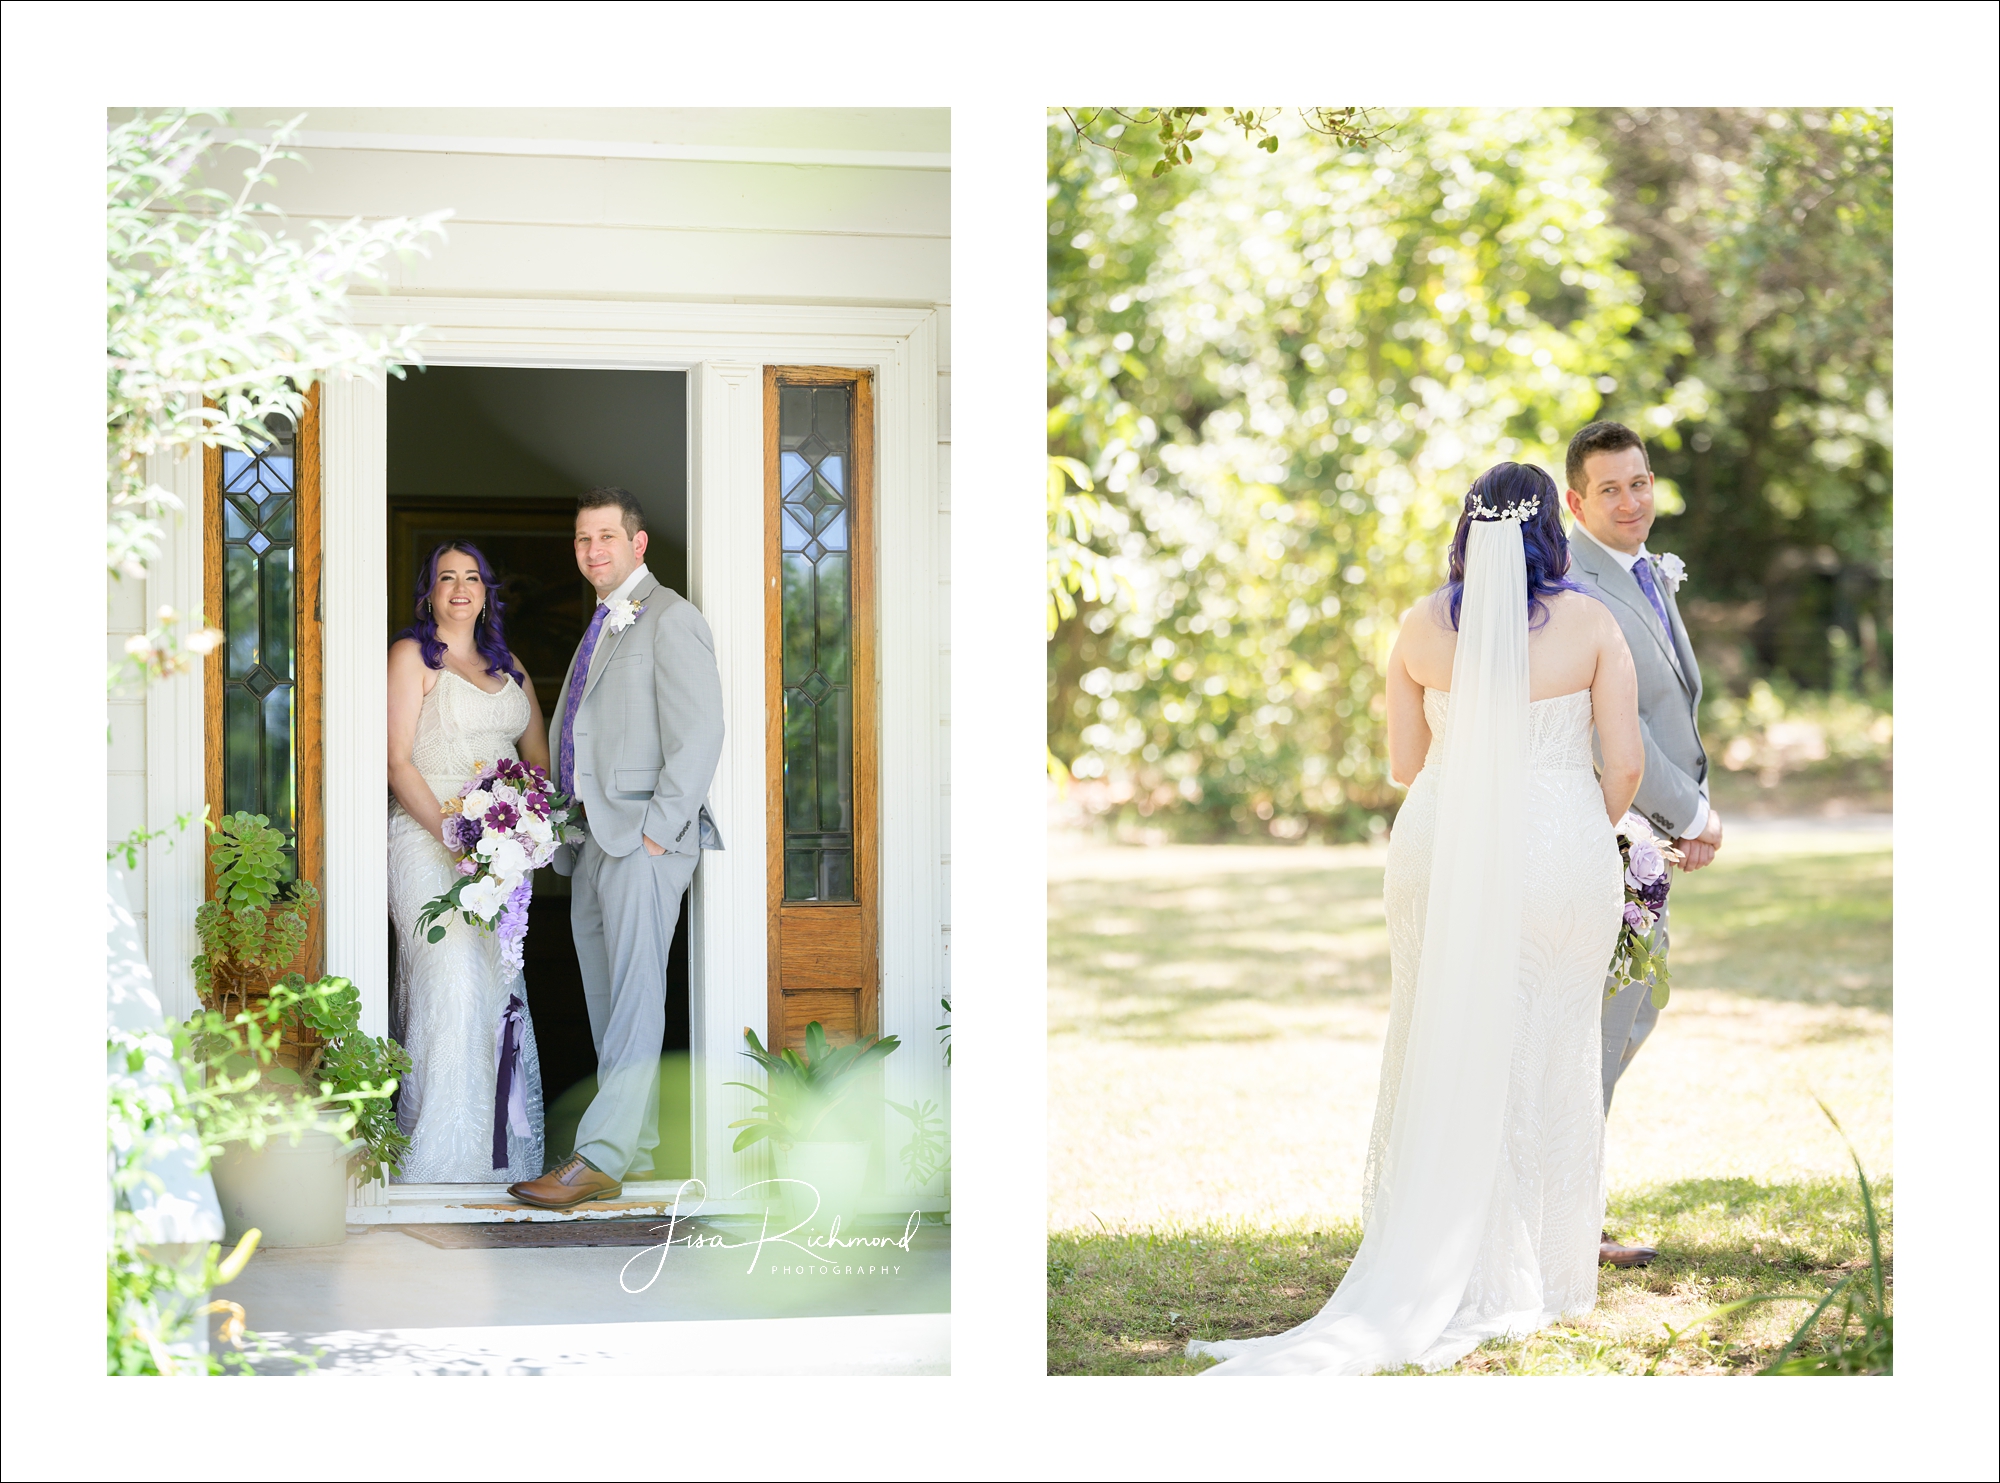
<point x="837" y="1171"/>
<point x="295" y="1193"/>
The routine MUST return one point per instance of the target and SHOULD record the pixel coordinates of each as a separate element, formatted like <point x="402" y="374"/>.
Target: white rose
<point x="484" y="898"/>
<point x="477" y="802"/>
<point x="1674" y="570"/>
<point x="505" y="793"/>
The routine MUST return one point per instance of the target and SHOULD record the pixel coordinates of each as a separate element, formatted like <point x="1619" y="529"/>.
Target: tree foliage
<point x="1120" y="130"/>
<point x="1282" y="377"/>
<point x="1279" y="375"/>
<point x="217" y="318"/>
<point x="1763" y="239"/>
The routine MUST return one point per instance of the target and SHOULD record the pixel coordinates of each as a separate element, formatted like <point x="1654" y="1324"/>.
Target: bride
<point x="457" y="700"/>
<point x="1484" y="1196"/>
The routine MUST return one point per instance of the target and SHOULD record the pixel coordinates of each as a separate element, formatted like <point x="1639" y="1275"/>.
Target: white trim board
<point x="490" y="1204"/>
<point x="176" y="746"/>
<point x="612" y="149"/>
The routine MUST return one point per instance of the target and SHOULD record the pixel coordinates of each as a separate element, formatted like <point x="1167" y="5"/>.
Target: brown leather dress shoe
<point x="571" y="1182"/>
<point x="1613" y="1253"/>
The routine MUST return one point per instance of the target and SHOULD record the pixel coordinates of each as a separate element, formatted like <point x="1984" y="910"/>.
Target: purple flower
<point x="538" y="804"/>
<point x="1637" y="918"/>
<point x="512" y="928"/>
<point x="1645" y="863"/>
<point x="502" y="817"/>
<point x="468" y="867"/>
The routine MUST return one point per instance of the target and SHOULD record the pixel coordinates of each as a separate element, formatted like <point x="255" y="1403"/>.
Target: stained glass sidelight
<point x="259" y="621"/>
<point x="815" y="443"/>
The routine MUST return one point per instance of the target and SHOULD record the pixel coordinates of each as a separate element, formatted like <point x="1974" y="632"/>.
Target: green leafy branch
<point x="1176" y="129"/>
<point x="138" y="839"/>
<point x="1075" y="517"/>
<point x="217" y="320"/>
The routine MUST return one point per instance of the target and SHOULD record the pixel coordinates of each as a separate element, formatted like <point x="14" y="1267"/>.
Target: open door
<point x="820" y="701"/>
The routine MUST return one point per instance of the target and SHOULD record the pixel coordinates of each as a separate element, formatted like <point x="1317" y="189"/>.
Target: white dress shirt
<point x="639" y="574"/>
<point x="1700" y="820"/>
<point x="622" y="590"/>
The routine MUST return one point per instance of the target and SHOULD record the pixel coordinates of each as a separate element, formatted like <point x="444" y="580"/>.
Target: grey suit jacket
<point x="1669" y="687"/>
<point x="648" y="731"/>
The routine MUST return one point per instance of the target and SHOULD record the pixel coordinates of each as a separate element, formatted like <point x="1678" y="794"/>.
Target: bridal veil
<point x="1444" y="1147"/>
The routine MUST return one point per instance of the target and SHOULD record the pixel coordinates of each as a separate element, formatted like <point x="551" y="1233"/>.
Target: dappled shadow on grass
<point x="1238" y="956"/>
<point x="1127" y="1303"/>
<point x="1156" y="960"/>
<point x="1813" y="929"/>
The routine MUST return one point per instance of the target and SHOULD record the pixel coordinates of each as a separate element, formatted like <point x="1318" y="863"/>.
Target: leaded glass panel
<point x="259" y="623"/>
<point x="815" y="439"/>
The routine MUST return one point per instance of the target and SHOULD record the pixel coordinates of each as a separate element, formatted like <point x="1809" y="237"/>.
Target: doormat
<point x="649" y="1231"/>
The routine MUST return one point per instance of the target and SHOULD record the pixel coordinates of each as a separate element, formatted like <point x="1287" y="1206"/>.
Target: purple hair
<point x="487" y="634"/>
<point x="1543" y="543"/>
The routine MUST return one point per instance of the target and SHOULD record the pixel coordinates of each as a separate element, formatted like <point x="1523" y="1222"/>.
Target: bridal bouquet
<point x="507" y="821"/>
<point x="1640" y="953"/>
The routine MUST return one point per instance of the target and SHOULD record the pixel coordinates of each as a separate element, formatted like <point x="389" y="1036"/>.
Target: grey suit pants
<point x="1628" y="1018"/>
<point x="622" y="913"/>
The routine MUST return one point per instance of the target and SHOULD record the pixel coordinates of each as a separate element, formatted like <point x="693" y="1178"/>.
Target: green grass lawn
<point x="1216" y="1018"/>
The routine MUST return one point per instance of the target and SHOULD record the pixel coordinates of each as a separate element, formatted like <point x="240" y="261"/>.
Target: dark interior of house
<point x="496" y="456"/>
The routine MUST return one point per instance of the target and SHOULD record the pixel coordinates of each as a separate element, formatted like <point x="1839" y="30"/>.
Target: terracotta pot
<point x="237" y="987"/>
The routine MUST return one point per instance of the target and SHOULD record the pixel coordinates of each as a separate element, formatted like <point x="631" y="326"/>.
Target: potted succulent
<point x="811" y="1111"/>
<point x="264" y="1033"/>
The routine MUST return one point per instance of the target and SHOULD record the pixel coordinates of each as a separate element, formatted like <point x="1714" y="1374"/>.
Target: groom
<point x="1611" y="495"/>
<point x="639" y="733"/>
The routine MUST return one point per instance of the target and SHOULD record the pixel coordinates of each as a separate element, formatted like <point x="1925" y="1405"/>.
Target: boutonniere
<point x="1673" y="569"/>
<point x="622" y="613"/>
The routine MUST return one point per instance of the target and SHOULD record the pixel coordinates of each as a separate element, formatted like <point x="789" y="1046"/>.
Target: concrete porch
<point x="386" y="1302"/>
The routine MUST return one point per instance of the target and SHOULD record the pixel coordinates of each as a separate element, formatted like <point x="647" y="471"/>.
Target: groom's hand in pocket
<point x="651" y="848"/>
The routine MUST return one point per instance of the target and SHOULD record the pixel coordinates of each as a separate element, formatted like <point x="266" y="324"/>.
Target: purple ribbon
<point x="510" y="1092"/>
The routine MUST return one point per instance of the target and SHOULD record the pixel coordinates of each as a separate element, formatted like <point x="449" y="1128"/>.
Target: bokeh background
<point x="1272" y="373"/>
<point x="1278" y="371"/>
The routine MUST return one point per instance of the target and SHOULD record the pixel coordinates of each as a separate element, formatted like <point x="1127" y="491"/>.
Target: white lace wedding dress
<point x="450" y="996"/>
<point x="1484" y="1200"/>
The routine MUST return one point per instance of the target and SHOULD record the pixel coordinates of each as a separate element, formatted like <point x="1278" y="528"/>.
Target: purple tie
<point x="566" y="751"/>
<point x="1642" y="569"/>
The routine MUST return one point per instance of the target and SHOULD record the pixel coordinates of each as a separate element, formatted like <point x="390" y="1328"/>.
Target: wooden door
<point x="820" y="730"/>
<point x="264" y="689"/>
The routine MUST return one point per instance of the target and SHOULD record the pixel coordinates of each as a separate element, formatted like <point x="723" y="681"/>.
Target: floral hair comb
<point x="1515" y="513"/>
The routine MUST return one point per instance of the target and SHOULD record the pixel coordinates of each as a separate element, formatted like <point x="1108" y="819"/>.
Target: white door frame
<point x="723" y="348"/>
